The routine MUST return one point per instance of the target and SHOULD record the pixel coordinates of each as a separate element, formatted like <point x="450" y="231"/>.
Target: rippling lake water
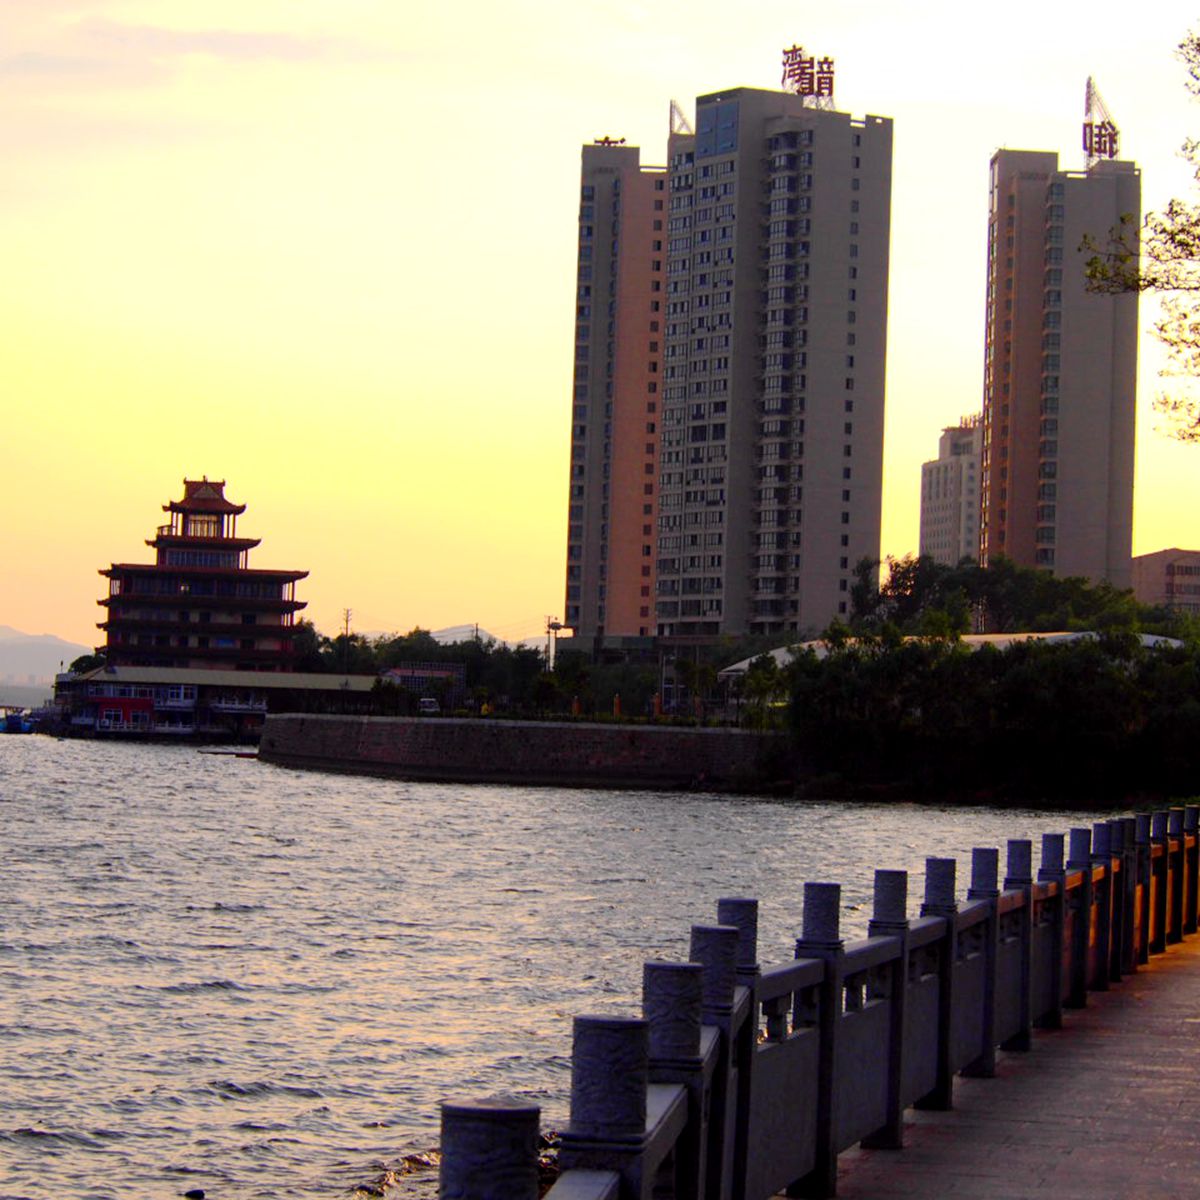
<point x="223" y="975"/>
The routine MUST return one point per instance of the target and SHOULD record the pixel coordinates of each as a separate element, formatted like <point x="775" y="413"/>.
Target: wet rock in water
<point x="548" y="1144"/>
<point x="421" y="1162"/>
<point x="194" y="1194"/>
<point x="400" y="1180"/>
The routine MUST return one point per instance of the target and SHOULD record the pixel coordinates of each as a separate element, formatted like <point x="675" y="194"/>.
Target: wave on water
<point x="230" y="1090"/>
<point x="208" y="985"/>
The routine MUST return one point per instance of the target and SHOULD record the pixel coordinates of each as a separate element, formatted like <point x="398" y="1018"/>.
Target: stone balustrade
<point x="740" y="1082"/>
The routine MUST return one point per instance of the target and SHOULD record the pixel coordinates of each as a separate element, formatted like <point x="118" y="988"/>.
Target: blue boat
<point x="15" y="720"/>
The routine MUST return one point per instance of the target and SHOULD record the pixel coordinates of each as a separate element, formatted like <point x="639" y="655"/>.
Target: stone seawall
<point x="532" y="752"/>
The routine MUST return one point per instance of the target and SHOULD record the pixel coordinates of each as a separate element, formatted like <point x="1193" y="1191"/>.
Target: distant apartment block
<point x="950" y="495"/>
<point x="200" y="604"/>
<point x="614" y="416"/>
<point x="1168" y="579"/>
<point x="1059" y="373"/>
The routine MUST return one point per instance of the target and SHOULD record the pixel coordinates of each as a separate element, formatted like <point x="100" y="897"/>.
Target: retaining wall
<point x="465" y="750"/>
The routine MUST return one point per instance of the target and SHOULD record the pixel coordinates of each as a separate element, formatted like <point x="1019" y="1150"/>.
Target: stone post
<point x="821" y="938"/>
<point x="1178" y="873"/>
<point x="985" y="887"/>
<point x="1120" y="929"/>
<point x="1130" y="871"/>
<point x="1052" y="872"/>
<point x="940" y="902"/>
<point x="1145" y="877"/>
<point x="742" y="914"/>
<point x="890" y="919"/>
<point x="1019" y="877"/>
<point x="609" y="1076"/>
<point x="489" y="1151"/>
<point x="672" y="1003"/>
<point x="1079" y="860"/>
<point x="1160" y="870"/>
<point x="1102" y="905"/>
<point x="1191" y="832"/>
<point x="715" y="948"/>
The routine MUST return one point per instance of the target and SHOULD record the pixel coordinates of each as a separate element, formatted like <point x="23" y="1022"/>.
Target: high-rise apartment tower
<point x="1059" y="373"/>
<point x="775" y="309"/>
<point x="614" y="418"/>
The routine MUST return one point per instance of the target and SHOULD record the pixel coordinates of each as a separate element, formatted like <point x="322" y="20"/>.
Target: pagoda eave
<point x="222" y="603"/>
<point x="223" y="572"/>
<point x="206" y="506"/>
<point x="177" y="540"/>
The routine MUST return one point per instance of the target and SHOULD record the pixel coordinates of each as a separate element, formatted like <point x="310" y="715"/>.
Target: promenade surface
<point x="1107" y="1108"/>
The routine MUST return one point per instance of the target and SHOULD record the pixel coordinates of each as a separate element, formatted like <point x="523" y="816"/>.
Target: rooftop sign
<point x="807" y="75"/>
<point x="1100" y="139"/>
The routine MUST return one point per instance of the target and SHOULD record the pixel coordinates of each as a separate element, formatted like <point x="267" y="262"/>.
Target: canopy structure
<point x="973" y="641"/>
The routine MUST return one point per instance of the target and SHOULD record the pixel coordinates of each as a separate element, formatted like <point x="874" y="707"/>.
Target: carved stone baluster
<point x="489" y="1151"/>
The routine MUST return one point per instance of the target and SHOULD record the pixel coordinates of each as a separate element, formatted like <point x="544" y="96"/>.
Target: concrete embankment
<point x="579" y="754"/>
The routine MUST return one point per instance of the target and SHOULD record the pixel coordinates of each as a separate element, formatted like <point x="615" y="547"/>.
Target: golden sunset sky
<point x="325" y="251"/>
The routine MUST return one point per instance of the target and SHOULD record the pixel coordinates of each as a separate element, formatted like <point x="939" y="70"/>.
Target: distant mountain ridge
<point x="32" y="659"/>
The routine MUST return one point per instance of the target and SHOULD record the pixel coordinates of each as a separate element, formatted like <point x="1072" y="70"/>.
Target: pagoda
<point x="200" y="604"/>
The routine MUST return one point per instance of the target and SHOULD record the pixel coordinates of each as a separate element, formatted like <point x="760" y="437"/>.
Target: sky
<point x="325" y="250"/>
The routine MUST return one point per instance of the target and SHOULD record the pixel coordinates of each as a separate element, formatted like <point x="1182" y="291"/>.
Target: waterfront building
<point x="950" y="495"/>
<point x="614" y="415"/>
<point x="215" y="705"/>
<point x="1168" y="579"/>
<point x="199" y="604"/>
<point x="731" y="321"/>
<point x="1059" y="371"/>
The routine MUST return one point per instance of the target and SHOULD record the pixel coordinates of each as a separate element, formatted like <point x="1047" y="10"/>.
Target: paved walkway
<point x="1107" y="1108"/>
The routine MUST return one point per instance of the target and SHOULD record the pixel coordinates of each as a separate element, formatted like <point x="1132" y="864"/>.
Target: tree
<point x="1163" y="256"/>
<point x="307" y="643"/>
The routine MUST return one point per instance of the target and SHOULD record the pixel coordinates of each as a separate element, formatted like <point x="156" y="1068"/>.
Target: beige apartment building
<point x="950" y="495"/>
<point x="614" y="415"/>
<point x="775" y="328"/>
<point x="1168" y="579"/>
<point x="1059" y="373"/>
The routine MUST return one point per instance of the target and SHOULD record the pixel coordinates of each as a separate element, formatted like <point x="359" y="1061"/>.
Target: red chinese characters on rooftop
<point x="1101" y="139"/>
<point x="805" y="74"/>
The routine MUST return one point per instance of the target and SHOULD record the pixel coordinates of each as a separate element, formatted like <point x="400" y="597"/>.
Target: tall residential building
<point x="614" y="419"/>
<point x="775" y="307"/>
<point x="950" y="495"/>
<point x="1059" y="372"/>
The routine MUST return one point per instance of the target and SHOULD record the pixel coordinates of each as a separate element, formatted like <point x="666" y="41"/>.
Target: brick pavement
<point x="1107" y="1108"/>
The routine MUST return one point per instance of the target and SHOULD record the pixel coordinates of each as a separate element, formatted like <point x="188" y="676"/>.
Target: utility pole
<point x="347" y="613"/>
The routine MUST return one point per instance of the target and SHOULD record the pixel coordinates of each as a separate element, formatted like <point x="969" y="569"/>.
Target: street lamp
<point x="553" y="625"/>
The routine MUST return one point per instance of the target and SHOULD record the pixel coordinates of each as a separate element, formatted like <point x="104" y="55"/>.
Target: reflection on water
<point x="223" y="975"/>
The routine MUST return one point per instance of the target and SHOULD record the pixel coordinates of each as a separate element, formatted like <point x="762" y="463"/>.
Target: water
<point x="219" y="974"/>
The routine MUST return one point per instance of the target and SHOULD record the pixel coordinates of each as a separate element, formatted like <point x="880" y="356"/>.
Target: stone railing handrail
<point x="739" y="1082"/>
